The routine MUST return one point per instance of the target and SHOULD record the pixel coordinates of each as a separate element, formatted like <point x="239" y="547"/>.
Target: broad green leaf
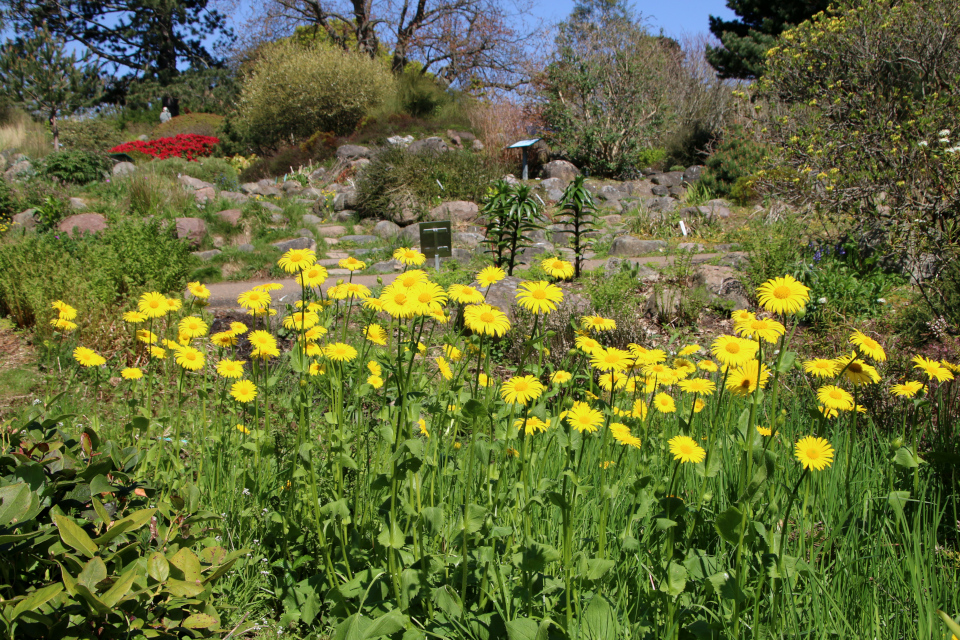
<point x="599" y="621"/>
<point x="905" y="458"/>
<point x="93" y="573"/>
<point x="448" y="601"/>
<point x="186" y="565"/>
<point x="522" y="629"/>
<point x="475" y="517"/>
<point x="728" y="524"/>
<point x="392" y="537"/>
<point x="14" y="503"/>
<point x="121" y="587"/>
<point x="99" y="484"/>
<point x="676" y="580"/>
<point x="201" y="621"/>
<point x="75" y="537"/>
<point x="351" y="628"/>
<point x="96" y="603"/>
<point x="386" y="625"/>
<point x="898" y="500"/>
<point x="101" y="511"/>
<point x="726" y="586"/>
<point x="598" y="567"/>
<point x="35" y="600"/>
<point x="536" y="556"/>
<point x="157" y="567"/>
<point x="432" y="519"/>
<point x="183" y="589"/>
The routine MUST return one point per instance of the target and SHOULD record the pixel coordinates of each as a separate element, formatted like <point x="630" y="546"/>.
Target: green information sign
<point x="436" y="240"/>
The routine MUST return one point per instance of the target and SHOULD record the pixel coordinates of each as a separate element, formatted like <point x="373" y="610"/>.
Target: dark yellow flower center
<point x="782" y="292"/>
<point x="539" y="294"/>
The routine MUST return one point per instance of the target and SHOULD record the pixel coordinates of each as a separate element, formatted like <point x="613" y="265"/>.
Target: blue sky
<point x="675" y="17"/>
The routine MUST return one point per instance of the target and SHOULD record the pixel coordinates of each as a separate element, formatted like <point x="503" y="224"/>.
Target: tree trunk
<point x="55" y="130"/>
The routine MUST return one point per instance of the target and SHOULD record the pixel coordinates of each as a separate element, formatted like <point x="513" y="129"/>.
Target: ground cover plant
<point x="183" y="145"/>
<point x="393" y="477"/>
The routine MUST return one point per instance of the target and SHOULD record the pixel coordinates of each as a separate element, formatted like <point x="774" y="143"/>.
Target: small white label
<point x="683" y="229"/>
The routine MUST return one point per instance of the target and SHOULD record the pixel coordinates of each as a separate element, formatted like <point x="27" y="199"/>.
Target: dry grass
<point x="26" y="136"/>
<point x="501" y="123"/>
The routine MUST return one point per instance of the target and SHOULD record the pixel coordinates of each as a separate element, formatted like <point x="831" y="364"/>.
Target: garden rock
<point x="77" y="204"/>
<point x="207" y="255"/>
<point x="609" y="192"/>
<point x="318" y="175"/>
<point x="676" y="192"/>
<point x="529" y="254"/>
<point x="386" y="266"/>
<point x="552" y="183"/>
<point x="269" y="206"/>
<point x="662" y="205"/>
<point x="663" y="303"/>
<point x="312" y="219"/>
<point x="346" y="199"/>
<point x="231" y="216"/>
<point x="717" y="208"/>
<point x="457" y="211"/>
<point x="612" y="205"/>
<point x="644" y="273"/>
<point x="27" y="219"/>
<point x="432" y="144"/>
<point x="124" y="169"/>
<point x="292" y="186"/>
<point x="277" y="218"/>
<point x="612" y="219"/>
<point x="352" y="152"/>
<point x="660" y="190"/>
<point x="205" y="195"/>
<point x="630" y="246"/>
<point x="305" y="233"/>
<point x="359" y="239"/>
<point x="18" y="170"/>
<point x="246" y="248"/>
<point x="250" y="188"/>
<point x="271" y="192"/>
<point x="467" y="239"/>
<point x="401" y="141"/>
<point x="347" y="215"/>
<point x="693" y="174"/>
<point x="723" y="284"/>
<point x="412" y="234"/>
<point x="193" y="183"/>
<point x="691" y="247"/>
<point x="193" y="230"/>
<point x="386" y="229"/>
<point x="560" y="169"/>
<point x="310" y="192"/>
<point x="296" y="243"/>
<point x="670" y="179"/>
<point x="219" y="242"/>
<point x="476" y="145"/>
<point x="83" y="223"/>
<point x="234" y="197"/>
<point x="735" y="259"/>
<point x="637" y="188"/>
<point x="510" y="179"/>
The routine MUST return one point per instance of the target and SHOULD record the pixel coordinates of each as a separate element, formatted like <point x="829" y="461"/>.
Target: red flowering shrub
<point x="185" y="145"/>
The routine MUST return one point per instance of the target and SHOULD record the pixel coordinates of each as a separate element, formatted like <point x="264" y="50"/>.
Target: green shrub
<point x="774" y="248"/>
<point x="732" y="164"/>
<point x="295" y="90"/>
<point x="90" y="134"/>
<point x="203" y="124"/>
<point x="98" y="272"/>
<point x="278" y="163"/>
<point x="75" y="167"/>
<point x="396" y="179"/>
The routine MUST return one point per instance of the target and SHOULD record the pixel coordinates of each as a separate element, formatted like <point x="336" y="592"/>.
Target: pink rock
<point x="204" y="195"/>
<point x="231" y="216"/>
<point x="193" y="230"/>
<point x="83" y="223"/>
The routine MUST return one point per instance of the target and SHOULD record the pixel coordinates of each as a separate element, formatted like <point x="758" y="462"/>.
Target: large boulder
<point x="291" y="187"/>
<point x="670" y="179"/>
<point x="386" y="229"/>
<point x="561" y="169"/>
<point x="77" y="204"/>
<point x="428" y="145"/>
<point x="693" y="174"/>
<point x="250" y="188"/>
<point x="193" y="230"/>
<point x="231" y="216"/>
<point x="18" y="170"/>
<point x="352" y="152"/>
<point x="124" y="169"/>
<point x="296" y="243"/>
<point x="83" y="223"/>
<point x="27" y="219"/>
<point x="205" y="195"/>
<point x="234" y="197"/>
<point x="457" y="211"/>
<point x="630" y="246"/>
<point x="193" y="183"/>
<point x="345" y="199"/>
<point x="330" y="231"/>
<point x="400" y="141"/>
<point x="723" y="285"/>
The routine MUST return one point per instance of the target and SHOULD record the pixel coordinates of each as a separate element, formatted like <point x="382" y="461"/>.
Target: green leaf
<point x="201" y="621"/>
<point x="186" y="565"/>
<point x="905" y="458"/>
<point x="598" y="567"/>
<point x="525" y="629"/>
<point x="93" y="573"/>
<point x="599" y="621"/>
<point x="432" y="520"/>
<point x="157" y="567"/>
<point x="448" y="601"/>
<point x="15" y="502"/>
<point x="35" y="600"/>
<point x="96" y="603"/>
<point x="75" y="537"/>
<point x="132" y="522"/>
<point x="536" y="556"/>
<point x="121" y="587"/>
<point x="475" y="517"/>
<point x="100" y="484"/>
<point x="726" y="586"/>
<point x="474" y="410"/>
<point x="728" y="524"/>
<point x="183" y="589"/>
<point x="951" y="625"/>
<point x="676" y="580"/>
<point x="898" y="500"/>
<point x="101" y="511"/>
<point x="392" y="537"/>
<point x="386" y="625"/>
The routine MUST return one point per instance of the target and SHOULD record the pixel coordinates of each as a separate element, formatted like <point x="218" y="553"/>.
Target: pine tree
<point x="37" y="72"/>
<point x="747" y="40"/>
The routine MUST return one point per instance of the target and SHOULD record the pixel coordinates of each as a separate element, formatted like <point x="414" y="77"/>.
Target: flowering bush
<point x="184" y="145"/>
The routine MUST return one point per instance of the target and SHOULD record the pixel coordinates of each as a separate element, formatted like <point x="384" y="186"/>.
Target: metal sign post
<point x="523" y="145"/>
<point x="436" y="241"/>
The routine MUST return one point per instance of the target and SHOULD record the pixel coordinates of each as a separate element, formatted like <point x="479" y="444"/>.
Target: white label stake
<point x="683" y="228"/>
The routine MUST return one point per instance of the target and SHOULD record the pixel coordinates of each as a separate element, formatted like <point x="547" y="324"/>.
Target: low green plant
<point x="774" y="247"/>
<point x="8" y="202"/>
<point x="204" y="124"/>
<point x="84" y="554"/>
<point x="578" y="210"/>
<point x="90" y="134"/>
<point x="396" y="180"/>
<point x="75" y="167"/>
<point x="213" y="170"/>
<point x="510" y="213"/>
